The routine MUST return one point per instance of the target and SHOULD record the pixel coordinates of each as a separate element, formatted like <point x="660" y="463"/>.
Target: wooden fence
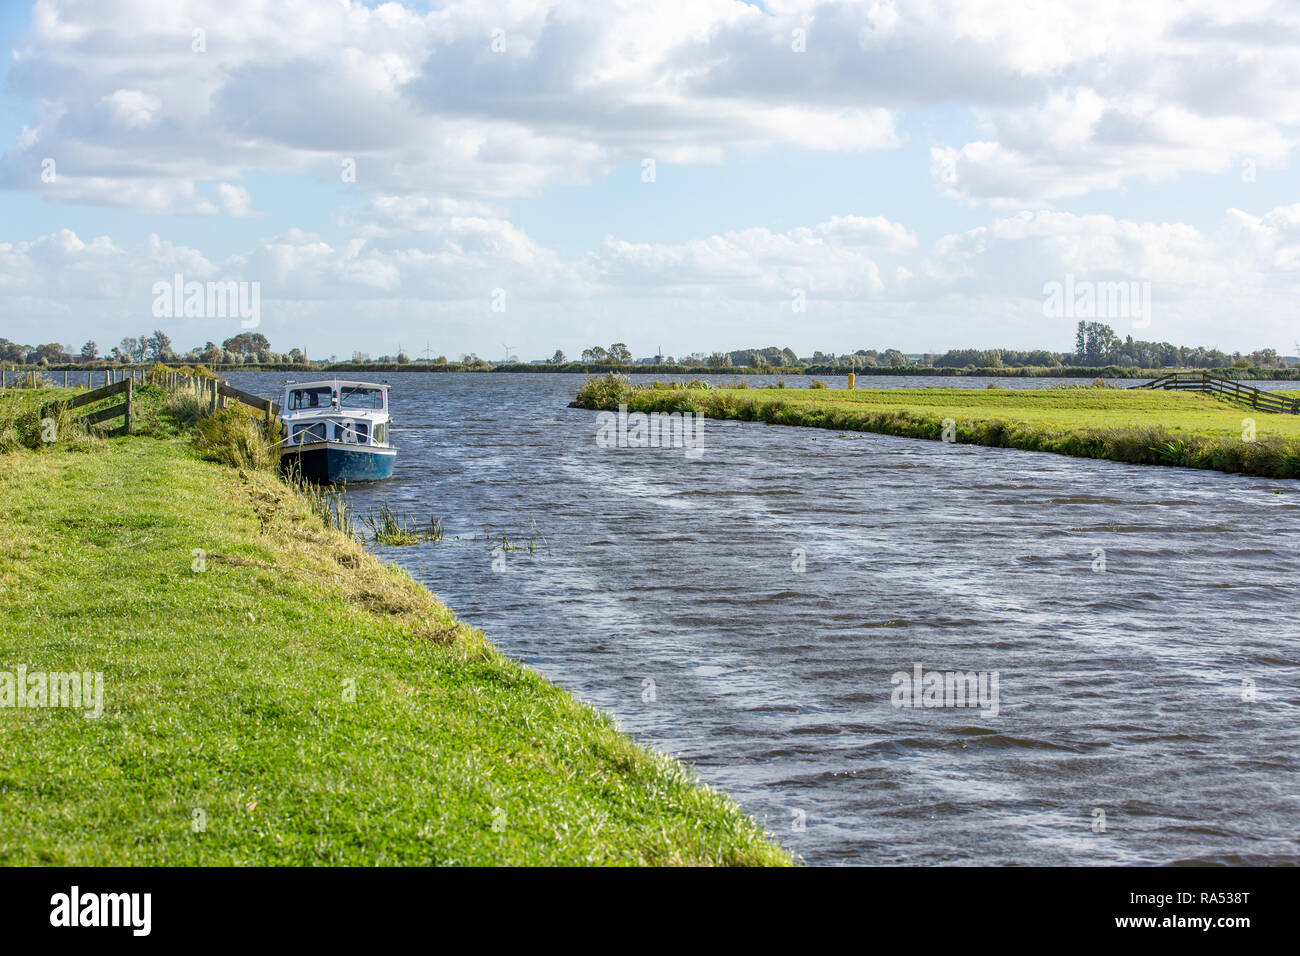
<point x="1227" y="388"/>
<point x="122" y="411"/>
<point x="13" y="377"/>
<point x="212" y="393"/>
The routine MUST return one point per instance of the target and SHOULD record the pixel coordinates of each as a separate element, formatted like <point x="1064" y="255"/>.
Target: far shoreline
<point x="778" y="371"/>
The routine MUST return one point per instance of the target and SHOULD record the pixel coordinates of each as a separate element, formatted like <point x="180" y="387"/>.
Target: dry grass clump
<point x="231" y="437"/>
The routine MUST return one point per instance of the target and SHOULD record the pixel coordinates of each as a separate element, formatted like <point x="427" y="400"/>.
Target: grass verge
<point x="1137" y="426"/>
<point x="273" y="694"/>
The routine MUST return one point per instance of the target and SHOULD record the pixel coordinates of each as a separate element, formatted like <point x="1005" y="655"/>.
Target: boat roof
<point x="334" y="382"/>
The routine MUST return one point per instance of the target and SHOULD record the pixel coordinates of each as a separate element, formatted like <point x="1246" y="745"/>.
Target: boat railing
<point x="303" y="437"/>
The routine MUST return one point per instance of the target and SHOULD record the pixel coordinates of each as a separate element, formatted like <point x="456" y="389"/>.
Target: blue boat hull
<point x="338" y="462"/>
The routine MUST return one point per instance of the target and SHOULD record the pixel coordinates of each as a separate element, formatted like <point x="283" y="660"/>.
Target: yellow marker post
<point x="852" y="378"/>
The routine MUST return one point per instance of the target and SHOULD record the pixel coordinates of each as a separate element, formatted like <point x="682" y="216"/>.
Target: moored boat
<point x="336" y="431"/>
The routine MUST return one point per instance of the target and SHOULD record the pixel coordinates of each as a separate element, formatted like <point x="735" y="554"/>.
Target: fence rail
<point x="14" y="377"/>
<point x="1226" y="387"/>
<point x="122" y="411"/>
<point x="212" y="393"/>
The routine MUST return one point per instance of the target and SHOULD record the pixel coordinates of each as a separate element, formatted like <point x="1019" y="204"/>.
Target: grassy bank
<point x="1129" y="425"/>
<point x="273" y="694"/>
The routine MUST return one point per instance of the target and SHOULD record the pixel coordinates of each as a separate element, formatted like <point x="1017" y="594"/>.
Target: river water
<point x="748" y="611"/>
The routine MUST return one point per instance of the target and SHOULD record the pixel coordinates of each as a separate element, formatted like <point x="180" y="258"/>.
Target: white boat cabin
<point x="354" y="413"/>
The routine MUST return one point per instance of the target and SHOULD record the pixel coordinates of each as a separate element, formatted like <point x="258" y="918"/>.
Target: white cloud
<point x="875" y="231"/>
<point x="235" y="201"/>
<point x="1232" y="288"/>
<point x="1072" y="97"/>
<point x="419" y="100"/>
<point x="132" y="108"/>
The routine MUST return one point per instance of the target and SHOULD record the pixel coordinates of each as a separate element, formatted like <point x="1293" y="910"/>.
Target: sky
<point x="678" y="176"/>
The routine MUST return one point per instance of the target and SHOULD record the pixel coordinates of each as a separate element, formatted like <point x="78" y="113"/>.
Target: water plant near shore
<point x="532" y="541"/>
<point x="387" y="527"/>
<point x="329" y="503"/>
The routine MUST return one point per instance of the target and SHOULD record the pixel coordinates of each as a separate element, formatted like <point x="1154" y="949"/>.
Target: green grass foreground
<point x="285" y="698"/>
<point x="1137" y="426"/>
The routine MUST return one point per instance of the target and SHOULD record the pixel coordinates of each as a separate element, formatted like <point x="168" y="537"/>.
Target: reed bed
<point x="389" y="527"/>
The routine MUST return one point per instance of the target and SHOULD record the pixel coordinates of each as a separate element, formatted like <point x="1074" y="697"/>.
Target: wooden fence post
<point x="126" y="427"/>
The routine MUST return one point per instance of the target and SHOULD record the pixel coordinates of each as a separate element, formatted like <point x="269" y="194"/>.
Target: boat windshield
<point x="358" y="396"/>
<point x="317" y="396"/>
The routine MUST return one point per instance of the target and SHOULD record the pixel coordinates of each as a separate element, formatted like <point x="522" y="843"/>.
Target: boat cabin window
<point x="358" y="396"/>
<point x="315" y="397"/>
<point x="315" y="431"/>
<point x="357" y="433"/>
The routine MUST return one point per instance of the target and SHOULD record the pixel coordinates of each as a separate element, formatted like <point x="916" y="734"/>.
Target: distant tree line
<point x="1096" y="345"/>
<point x="247" y="348"/>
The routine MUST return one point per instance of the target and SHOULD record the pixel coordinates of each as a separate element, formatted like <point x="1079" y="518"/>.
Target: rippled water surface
<point x="1147" y="712"/>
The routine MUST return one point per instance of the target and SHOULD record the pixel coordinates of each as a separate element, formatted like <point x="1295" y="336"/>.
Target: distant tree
<point x="1265" y="358"/>
<point x="557" y="358"/>
<point x="247" y="343"/>
<point x="1041" y="357"/>
<point x="45" y="354"/>
<point x="89" y="352"/>
<point x="594" y="354"/>
<point x="403" y="358"/>
<point x="719" y="360"/>
<point x="158" y="346"/>
<point x="1100" y="341"/>
<point x="127" y="349"/>
<point x="619" y="354"/>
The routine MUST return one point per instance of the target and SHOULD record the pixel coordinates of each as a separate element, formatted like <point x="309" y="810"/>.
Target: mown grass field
<point x="275" y="695"/>
<point x="1064" y="408"/>
<point x="1133" y="425"/>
